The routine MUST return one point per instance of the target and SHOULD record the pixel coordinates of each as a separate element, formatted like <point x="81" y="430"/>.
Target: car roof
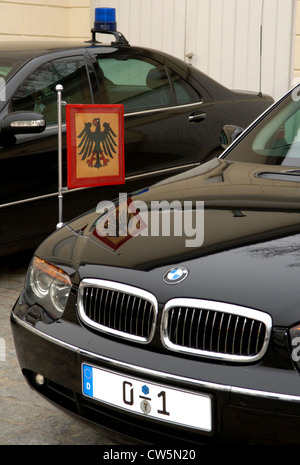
<point x="36" y="48"/>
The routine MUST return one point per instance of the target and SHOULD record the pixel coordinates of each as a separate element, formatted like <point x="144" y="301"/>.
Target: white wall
<point x="224" y="36"/>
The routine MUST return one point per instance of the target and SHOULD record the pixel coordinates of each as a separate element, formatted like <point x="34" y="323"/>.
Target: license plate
<point x="153" y="400"/>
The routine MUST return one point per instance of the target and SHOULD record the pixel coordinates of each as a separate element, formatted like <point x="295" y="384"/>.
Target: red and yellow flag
<point x="95" y="145"/>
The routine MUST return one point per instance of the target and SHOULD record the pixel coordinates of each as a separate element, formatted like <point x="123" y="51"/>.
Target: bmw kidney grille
<point x="120" y="310"/>
<point x="191" y="326"/>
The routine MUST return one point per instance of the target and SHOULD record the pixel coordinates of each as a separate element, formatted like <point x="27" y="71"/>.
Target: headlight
<point x="48" y="286"/>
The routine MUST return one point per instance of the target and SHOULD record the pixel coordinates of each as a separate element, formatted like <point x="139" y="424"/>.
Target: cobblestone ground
<point x="25" y="417"/>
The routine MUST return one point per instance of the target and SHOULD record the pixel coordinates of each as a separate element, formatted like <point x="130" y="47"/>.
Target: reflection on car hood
<point x="250" y="253"/>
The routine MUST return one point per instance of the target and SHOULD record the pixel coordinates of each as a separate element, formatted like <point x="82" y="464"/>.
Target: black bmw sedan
<point x="173" y="313"/>
<point x="173" y="118"/>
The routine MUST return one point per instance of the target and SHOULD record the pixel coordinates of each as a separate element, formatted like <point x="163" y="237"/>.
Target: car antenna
<point x="260" y="48"/>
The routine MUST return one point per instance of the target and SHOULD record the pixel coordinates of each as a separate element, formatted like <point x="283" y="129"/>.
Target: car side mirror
<point x="229" y="133"/>
<point x="22" y="122"/>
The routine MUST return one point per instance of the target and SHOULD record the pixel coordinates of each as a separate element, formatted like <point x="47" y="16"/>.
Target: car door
<point x="29" y="163"/>
<point x="167" y="121"/>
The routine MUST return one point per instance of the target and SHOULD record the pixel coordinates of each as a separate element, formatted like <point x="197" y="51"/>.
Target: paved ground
<point x="26" y="418"/>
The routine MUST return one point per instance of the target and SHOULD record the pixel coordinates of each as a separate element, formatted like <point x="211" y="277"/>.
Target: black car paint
<point x="157" y="143"/>
<point x="243" y="242"/>
<point x="259" y="236"/>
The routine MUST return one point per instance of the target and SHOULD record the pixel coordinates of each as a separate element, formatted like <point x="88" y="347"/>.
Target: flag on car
<point x="95" y="145"/>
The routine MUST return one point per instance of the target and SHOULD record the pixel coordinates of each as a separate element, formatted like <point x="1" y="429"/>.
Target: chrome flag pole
<point x="59" y="88"/>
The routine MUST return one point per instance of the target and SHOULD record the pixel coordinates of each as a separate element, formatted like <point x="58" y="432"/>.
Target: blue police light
<point x="105" y="20"/>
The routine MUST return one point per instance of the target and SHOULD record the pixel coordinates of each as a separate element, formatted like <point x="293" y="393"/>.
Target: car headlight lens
<point x="48" y="286"/>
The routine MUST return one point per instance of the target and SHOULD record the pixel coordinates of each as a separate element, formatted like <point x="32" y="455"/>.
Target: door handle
<point x="196" y="117"/>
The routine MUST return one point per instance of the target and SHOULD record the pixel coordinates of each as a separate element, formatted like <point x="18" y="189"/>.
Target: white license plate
<point x="149" y="399"/>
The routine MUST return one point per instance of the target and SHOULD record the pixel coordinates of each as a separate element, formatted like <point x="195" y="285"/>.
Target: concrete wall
<point x="45" y="19"/>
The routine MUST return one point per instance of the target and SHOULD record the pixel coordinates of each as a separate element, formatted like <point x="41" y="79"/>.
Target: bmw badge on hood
<point x="175" y="275"/>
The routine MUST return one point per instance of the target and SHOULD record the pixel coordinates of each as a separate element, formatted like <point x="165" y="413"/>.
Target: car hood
<point x="244" y="250"/>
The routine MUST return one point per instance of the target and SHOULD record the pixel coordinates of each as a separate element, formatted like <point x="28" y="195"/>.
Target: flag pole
<point x="59" y="88"/>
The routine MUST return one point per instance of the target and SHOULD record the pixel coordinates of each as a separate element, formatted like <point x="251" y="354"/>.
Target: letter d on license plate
<point x="157" y="401"/>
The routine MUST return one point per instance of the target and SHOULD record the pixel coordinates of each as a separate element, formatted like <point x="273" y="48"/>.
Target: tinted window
<point x="8" y="65"/>
<point x="135" y="83"/>
<point x="38" y="92"/>
<point x="184" y="93"/>
<point x="276" y="140"/>
<point x="5" y="69"/>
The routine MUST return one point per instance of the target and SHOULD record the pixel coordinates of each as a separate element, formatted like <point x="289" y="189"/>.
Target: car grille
<point x="192" y="326"/>
<point x="118" y="309"/>
<point x="217" y="330"/>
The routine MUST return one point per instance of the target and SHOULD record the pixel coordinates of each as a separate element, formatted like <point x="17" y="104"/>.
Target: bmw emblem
<point x="175" y="275"/>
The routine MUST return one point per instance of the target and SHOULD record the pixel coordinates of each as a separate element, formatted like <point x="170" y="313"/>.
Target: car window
<point x="282" y="141"/>
<point x="4" y="69"/>
<point x="184" y="93"/>
<point x="9" y="65"/>
<point x="38" y="92"/>
<point x="135" y="83"/>
<point x="275" y="141"/>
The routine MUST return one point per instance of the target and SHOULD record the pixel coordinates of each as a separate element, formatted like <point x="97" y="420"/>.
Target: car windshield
<point x="275" y="140"/>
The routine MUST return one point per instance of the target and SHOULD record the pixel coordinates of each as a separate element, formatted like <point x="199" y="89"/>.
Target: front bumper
<point x="250" y="404"/>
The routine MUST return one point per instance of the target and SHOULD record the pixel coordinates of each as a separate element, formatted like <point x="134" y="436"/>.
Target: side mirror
<point x="229" y="133"/>
<point x="22" y="122"/>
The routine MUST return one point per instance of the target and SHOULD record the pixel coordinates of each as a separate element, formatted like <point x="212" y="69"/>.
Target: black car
<point x="173" y="314"/>
<point x="174" y="115"/>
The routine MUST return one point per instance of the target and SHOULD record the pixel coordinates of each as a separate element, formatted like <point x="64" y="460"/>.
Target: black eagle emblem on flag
<point x="97" y="144"/>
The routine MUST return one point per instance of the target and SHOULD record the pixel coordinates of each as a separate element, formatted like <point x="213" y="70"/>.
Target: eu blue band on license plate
<point x="156" y="401"/>
<point x="88" y="380"/>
